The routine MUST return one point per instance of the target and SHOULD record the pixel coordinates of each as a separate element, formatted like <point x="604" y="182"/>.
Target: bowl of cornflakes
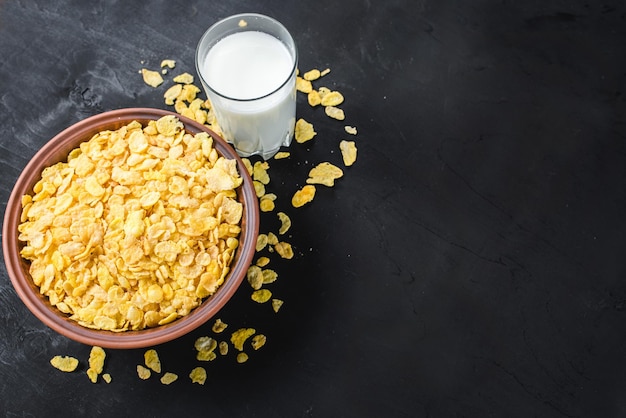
<point x="130" y="228"/>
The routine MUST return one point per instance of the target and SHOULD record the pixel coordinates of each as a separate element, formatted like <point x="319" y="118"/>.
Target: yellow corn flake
<point x="107" y="378"/>
<point x="219" y="326"/>
<point x="223" y="347"/>
<point x="261" y="242"/>
<point x="284" y="249"/>
<point x="172" y="94"/>
<point x="303" y="196"/>
<point x="334" y="98"/>
<point x="262" y="262"/>
<point x="64" y="363"/>
<point x="143" y="372"/>
<point x="198" y="375"/>
<point x="168" y="63"/>
<point x="261" y="295"/>
<point x="304" y="131"/>
<point x="135" y="228"/>
<point x="303" y="85"/>
<point x="266" y="204"/>
<point x="239" y="337"/>
<point x="259" y="172"/>
<point x="272" y="239"/>
<point x="242" y="358"/>
<point x="324" y="173"/>
<point x="151" y="78"/>
<point x="206" y="356"/>
<point x="189" y="93"/>
<point x="96" y="363"/>
<point x="242" y="23"/>
<point x="205" y="344"/>
<point x="348" y="152"/>
<point x="324" y="72"/>
<point x="151" y="359"/>
<point x="254" y="275"/>
<point x="350" y="129"/>
<point x="168" y="378"/>
<point x="248" y="165"/>
<point x="277" y="304"/>
<point x="282" y="155"/>
<point x="314" y="98"/>
<point x="258" y="341"/>
<point x="334" y="112"/>
<point x="184" y="78"/>
<point x="269" y="276"/>
<point x="285" y="223"/>
<point x="312" y="75"/>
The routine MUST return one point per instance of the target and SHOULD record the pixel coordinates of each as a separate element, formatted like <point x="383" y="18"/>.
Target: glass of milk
<point x="247" y="66"/>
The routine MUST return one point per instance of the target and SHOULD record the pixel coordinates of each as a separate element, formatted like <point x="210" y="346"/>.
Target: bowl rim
<point x="56" y="149"/>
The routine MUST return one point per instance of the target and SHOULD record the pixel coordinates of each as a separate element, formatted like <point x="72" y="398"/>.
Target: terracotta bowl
<point x="57" y="150"/>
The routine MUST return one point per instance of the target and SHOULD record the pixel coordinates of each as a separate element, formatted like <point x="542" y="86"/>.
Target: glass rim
<point x="242" y="16"/>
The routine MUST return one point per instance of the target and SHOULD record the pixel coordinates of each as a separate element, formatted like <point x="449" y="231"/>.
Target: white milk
<point x="253" y="74"/>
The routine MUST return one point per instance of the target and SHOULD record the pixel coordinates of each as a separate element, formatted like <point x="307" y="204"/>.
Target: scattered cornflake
<point x="151" y="359"/>
<point x="324" y="72"/>
<point x="242" y="23"/>
<point x="312" y="75"/>
<point x="205" y="344"/>
<point x="285" y="222"/>
<point x="334" y="98"/>
<point x="261" y="242"/>
<point x="107" y="378"/>
<point x="219" y="326"/>
<point x="282" y="155"/>
<point x="248" y="165"/>
<point x="172" y="94"/>
<point x="96" y="363"/>
<point x="272" y="239"/>
<point x="284" y="250"/>
<point x="303" y="85"/>
<point x="261" y="295"/>
<point x="303" y="196"/>
<point x="304" y="131"/>
<point x="350" y="129"/>
<point x="206" y="356"/>
<point x="168" y="63"/>
<point x="276" y="304"/>
<point x="242" y="358"/>
<point x="323" y="91"/>
<point x="334" y="112"/>
<point x="259" y="172"/>
<point x="324" y="173"/>
<point x="168" y="378"/>
<point x="262" y="261"/>
<point x="151" y="78"/>
<point x="143" y="372"/>
<point x="184" y="78"/>
<point x="258" y="341"/>
<point x="348" y="152"/>
<point x="223" y="347"/>
<point x="314" y="98"/>
<point x="239" y="337"/>
<point x="254" y="275"/>
<point x="198" y="375"/>
<point x="269" y="276"/>
<point x="259" y="188"/>
<point x="266" y="203"/>
<point x="64" y="363"/>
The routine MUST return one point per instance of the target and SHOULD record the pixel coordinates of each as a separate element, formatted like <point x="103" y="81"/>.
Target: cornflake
<point x="143" y="372"/>
<point x="334" y="98"/>
<point x="277" y="304"/>
<point x="151" y="78"/>
<point x="261" y="295"/>
<point x="258" y="341"/>
<point x="219" y="326"/>
<point x="262" y="261"/>
<point x="151" y="359"/>
<point x="168" y="63"/>
<point x="282" y="155"/>
<point x="284" y="249"/>
<point x="64" y="363"/>
<point x="254" y="275"/>
<point x="285" y="222"/>
<point x="198" y="375"/>
<point x="107" y="378"/>
<point x="96" y="363"/>
<point x="312" y="75"/>
<point x="168" y="378"/>
<point x="303" y="196"/>
<point x="223" y="347"/>
<point x="184" y="78"/>
<point x="239" y="337"/>
<point x="303" y="85"/>
<point x="348" y="152"/>
<point x="334" y="112"/>
<point x="324" y="173"/>
<point x="242" y="358"/>
<point x="350" y="130"/>
<point x="304" y="131"/>
<point x="314" y="98"/>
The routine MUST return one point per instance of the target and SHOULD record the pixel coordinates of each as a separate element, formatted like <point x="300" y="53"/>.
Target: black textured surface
<point x="470" y="264"/>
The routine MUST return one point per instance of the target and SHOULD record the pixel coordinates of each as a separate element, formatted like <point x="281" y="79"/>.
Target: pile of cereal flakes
<point x="183" y="95"/>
